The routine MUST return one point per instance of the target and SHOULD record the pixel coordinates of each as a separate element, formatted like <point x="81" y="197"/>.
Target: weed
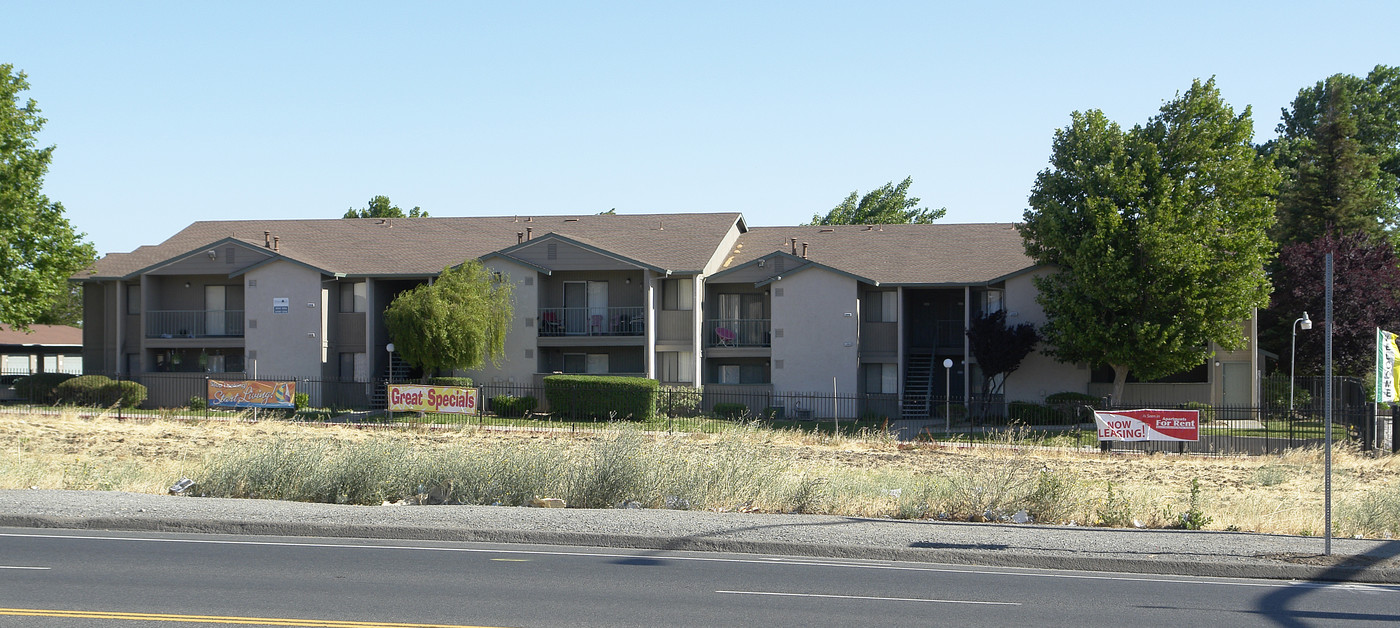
<point x="1194" y="518"/>
<point x="1115" y="511"/>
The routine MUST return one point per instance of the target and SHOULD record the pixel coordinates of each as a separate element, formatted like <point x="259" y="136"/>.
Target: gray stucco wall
<point x="290" y="344"/>
<point x="1039" y="375"/>
<point x="819" y="340"/>
<point x="518" y="365"/>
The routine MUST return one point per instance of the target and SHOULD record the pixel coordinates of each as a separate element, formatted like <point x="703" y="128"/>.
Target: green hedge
<point x="1035" y="414"/>
<point x="462" y="382"/>
<point x="40" y="387"/>
<point x="512" y="406"/>
<point x="101" y="391"/>
<point x="730" y="410"/>
<point x="1065" y="398"/>
<point x="601" y="397"/>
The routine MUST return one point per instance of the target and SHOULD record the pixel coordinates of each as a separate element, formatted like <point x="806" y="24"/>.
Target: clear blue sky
<point x="167" y="113"/>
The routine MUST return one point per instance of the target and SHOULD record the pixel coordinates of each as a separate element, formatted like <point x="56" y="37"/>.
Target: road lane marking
<point x="218" y="619"/>
<point x="26" y="568"/>
<point x="867" y="597"/>
<point x="793" y="561"/>
<point x="510" y="560"/>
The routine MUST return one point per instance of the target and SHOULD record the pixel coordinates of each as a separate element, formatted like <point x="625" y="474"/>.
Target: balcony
<point x="738" y="332"/>
<point x="592" y="321"/>
<point x="194" y="324"/>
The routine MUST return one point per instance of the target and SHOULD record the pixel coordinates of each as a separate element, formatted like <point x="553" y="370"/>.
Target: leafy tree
<point x="886" y="205"/>
<point x="65" y="309"/>
<point x="458" y="321"/>
<point x="1332" y="181"/>
<point x="1159" y="234"/>
<point x="999" y="349"/>
<point x="39" y="250"/>
<point x="381" y="207"/>
<point x="1365" y="295"/>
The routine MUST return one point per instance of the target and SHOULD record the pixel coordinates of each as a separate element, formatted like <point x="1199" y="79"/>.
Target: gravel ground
<point x="1232" y="554"/>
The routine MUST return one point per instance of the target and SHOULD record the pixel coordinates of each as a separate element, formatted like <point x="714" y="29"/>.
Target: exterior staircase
<point x="918" y="385"/>
<point x="397" y="371"/>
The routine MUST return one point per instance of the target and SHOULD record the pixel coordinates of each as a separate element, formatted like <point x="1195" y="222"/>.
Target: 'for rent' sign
<point x="1140" y="425"/>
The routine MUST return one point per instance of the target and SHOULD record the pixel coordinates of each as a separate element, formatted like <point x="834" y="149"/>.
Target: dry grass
<point x="742" y="469"/>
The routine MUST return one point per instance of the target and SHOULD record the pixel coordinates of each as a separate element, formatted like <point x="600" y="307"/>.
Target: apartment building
<point x="688" y="299"/>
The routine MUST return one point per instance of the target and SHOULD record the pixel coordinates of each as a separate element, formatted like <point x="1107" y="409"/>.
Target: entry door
<point x="214" y="301"/>
<point x="575" y="307"/>
<point x="1235" y="385"/>
<point x="598" y="307"/>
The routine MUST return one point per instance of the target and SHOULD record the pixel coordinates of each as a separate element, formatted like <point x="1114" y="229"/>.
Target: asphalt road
<point x="91" y="578"/>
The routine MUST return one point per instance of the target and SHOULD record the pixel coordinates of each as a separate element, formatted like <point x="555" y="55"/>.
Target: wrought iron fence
<point x="1223" y="429"/>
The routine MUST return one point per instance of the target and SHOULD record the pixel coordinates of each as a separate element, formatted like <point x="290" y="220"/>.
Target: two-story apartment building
<point x="687" y="299"/>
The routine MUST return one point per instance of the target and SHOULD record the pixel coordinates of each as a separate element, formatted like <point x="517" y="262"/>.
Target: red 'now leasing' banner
<point x="1140" y="425"/>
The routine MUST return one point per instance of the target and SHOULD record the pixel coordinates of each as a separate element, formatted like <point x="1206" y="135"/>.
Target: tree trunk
<point x="1120" y="378"/>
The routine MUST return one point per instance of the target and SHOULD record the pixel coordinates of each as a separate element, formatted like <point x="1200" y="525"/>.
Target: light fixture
<point x="947" y="395"/>
<point x="211" y="253"/>
<point x="187" y="284"/>
<point x="1304" y="323"/>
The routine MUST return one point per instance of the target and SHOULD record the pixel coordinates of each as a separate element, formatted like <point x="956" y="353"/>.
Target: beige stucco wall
<point x="518" y="365"/>
<point x="1039" y="375"/>
<point x="287" y="345"/>
<point x="819" y="316"/>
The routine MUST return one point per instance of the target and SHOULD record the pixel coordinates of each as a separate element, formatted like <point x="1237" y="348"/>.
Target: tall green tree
<point x="1338" y="146"/>
<point x="888" y="204"/>
<point x="381" y="207"/>
<point x="458" y="321"/>
<point x="1159" y="234"/>
<point x="39" y="250"/>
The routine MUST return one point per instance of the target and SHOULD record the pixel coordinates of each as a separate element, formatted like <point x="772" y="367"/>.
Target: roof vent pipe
<point x="267" y="239"/>
<point x="529" y="232"/>
<point x="804" y="250"/>
<point x="794" y="246"/>
<point x="519" y="237"/>
<point x="275" y="240"/>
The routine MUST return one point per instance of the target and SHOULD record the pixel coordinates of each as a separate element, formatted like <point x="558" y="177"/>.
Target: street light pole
<point x="1293" y="358"/>
<point x="947" y="395"/>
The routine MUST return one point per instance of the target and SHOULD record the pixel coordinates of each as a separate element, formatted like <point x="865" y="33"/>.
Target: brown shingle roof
<point x="424" y="246"/>
<point x="952" y="254"/>
<point x="42" y="335"/>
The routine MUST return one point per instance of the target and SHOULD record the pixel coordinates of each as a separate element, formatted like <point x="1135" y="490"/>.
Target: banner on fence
<point x="1386" y="352"/>
<point x="251" y="394"/>
<point x="439" y="399"/>
<point x="1140" y="425"/>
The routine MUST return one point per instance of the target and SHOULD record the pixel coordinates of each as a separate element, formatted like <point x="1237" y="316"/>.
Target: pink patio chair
<point x="726" y="336"/>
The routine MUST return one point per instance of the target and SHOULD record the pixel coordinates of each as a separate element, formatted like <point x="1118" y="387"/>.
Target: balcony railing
<point x="194" y="323"/>
<point x="738" y="332"/>
<point x="592" y="321"/>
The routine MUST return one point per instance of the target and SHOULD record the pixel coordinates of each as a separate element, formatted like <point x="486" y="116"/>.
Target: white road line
<point x="866" y="597"/>
<point x="26" y="568"/>
<point x="793" y="561"/>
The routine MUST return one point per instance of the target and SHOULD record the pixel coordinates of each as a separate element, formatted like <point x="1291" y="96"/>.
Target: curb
<point x="1261" y="568"/>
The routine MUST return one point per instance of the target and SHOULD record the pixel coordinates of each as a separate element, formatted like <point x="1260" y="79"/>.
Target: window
<point x="133" y="299"/>
<point x="354" y="297"/>
<point x="741" y="374"/>
<point x="729" y="374"/>
<point x="678" y="294"/>
<point x="881" y="378"/>
<point x="677" y="366"/>
<point x="354" y="367"/>
<point x="881" y="307"/>
<point x="590" y="363"/>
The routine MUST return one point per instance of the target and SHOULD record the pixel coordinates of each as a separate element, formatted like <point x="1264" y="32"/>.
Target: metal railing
<point x="1222" y="429"/>
<point x="738" y="332"/>
<point x="592" y="321"/>
<point x="194" y="323"/>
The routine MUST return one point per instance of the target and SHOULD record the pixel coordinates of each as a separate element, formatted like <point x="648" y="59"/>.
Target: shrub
<point x="100" y="390"/>
<point x="512" y="406"/>
<point x="1034" y="414"/>
<point x="1205" y="410"/>
<point x="1066" y="398"/>
<point x="198" y="404"/>
<point x="730" y="410"/>
<point x="601" y="397"/>
<point x="39" y="387"/>
<point x="773" y="413"/>
<point x="85" y="390"/>
<point x="462" y="382"/>
<point x="300" y="401"/>
<point x="681" y="401"/>
<point x="126" y="393"/>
